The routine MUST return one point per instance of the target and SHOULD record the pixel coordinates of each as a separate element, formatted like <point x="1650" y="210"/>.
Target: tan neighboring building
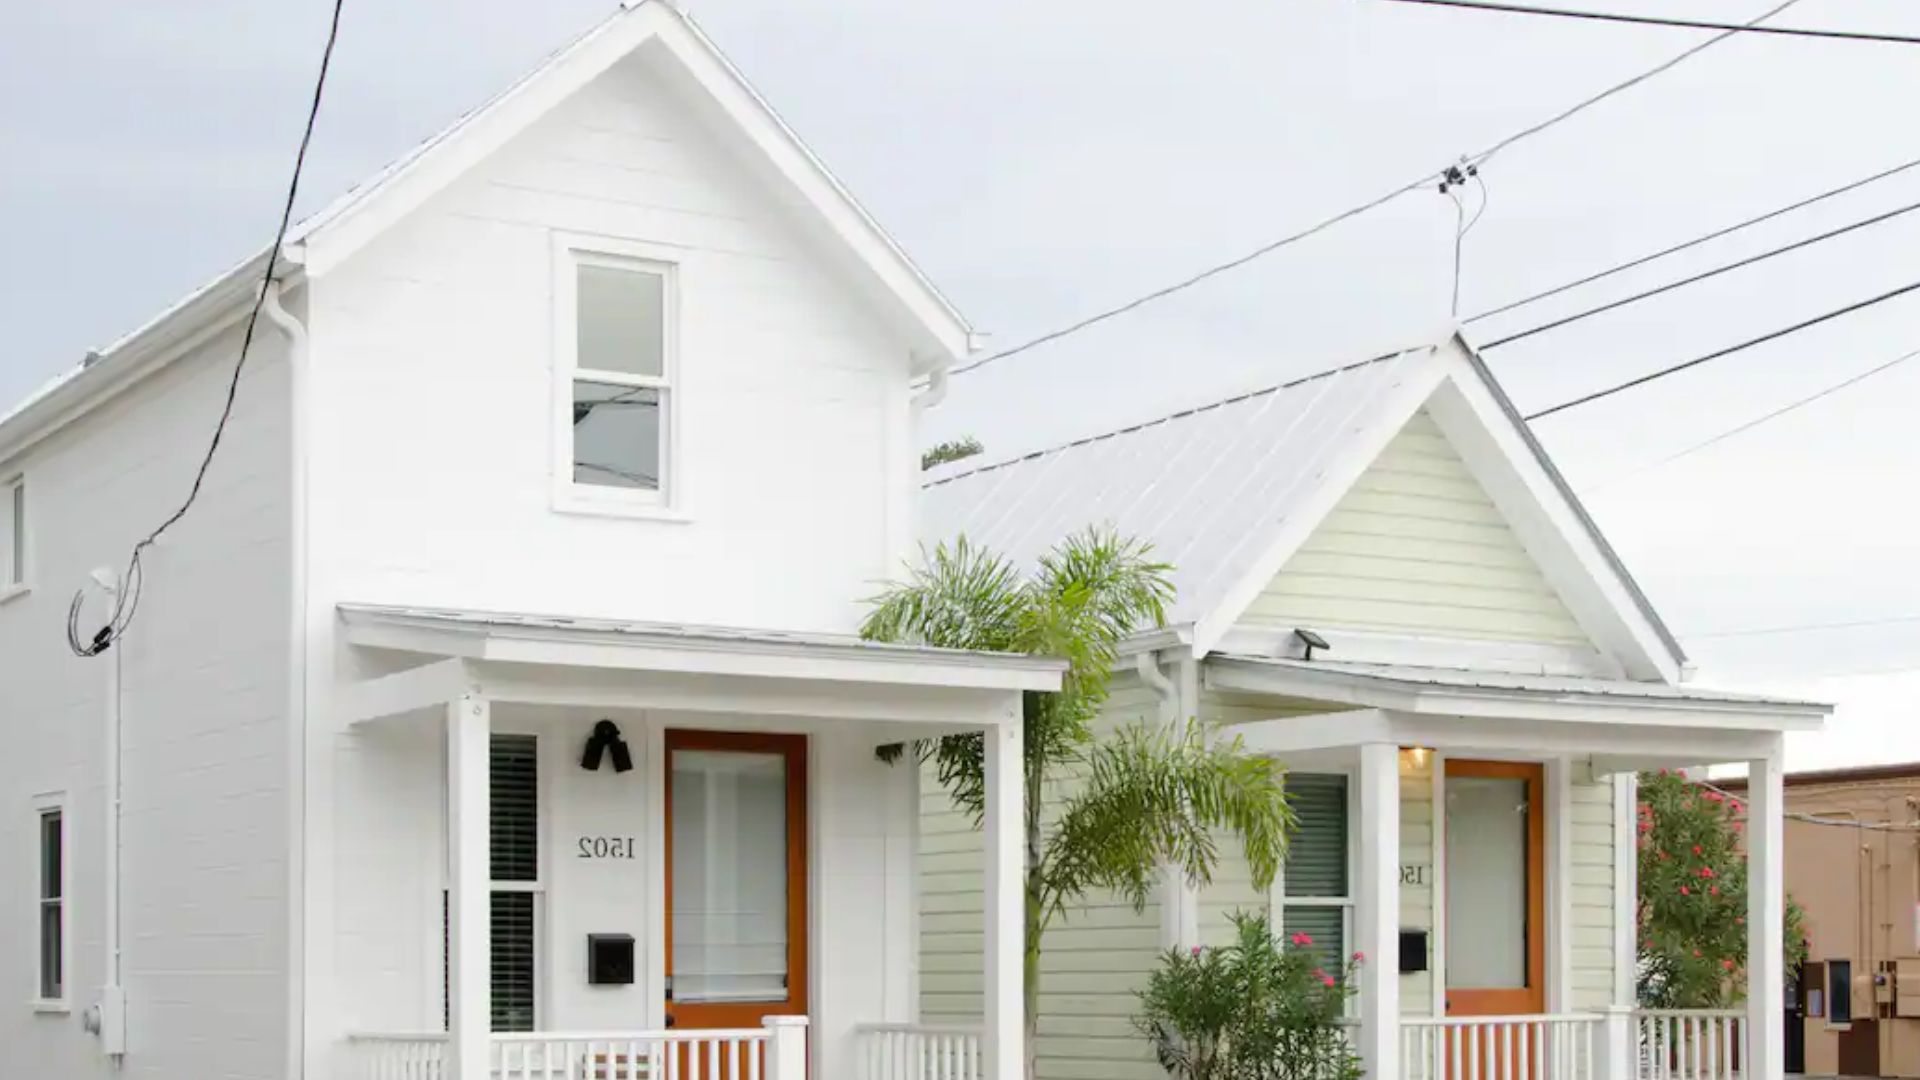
<point x="1856" y="1007"/>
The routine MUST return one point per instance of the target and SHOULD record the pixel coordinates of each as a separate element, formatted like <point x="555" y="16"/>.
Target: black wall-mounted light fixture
<point x="1311" y="641"/>
<point x="606" y="741"/>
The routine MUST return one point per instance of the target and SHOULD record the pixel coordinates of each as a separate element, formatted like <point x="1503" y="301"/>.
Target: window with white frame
<point x="51" y="910"/>
<point x="517" y="886"/>
<point x="1314" y="895"/>
<point x="617" y="316"/>
<point x="13" y="534"/>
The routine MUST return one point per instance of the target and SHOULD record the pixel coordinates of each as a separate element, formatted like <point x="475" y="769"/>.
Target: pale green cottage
<point x="1461" y="747"/>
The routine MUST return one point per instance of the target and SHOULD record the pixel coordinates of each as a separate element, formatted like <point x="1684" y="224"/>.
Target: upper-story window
<point x="13" y="535"/>
<point x="617" y="354"/>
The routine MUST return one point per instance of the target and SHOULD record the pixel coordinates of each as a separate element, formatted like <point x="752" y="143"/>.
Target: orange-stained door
<point x="736" y="878"/>
<point x="1496" y="904"/>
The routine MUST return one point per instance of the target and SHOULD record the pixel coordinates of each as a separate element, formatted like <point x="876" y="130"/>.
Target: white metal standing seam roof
<point x="1206" y="487"/>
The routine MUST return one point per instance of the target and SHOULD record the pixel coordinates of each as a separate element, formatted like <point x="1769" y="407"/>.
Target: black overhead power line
<point x="1702" y="276"/>
<point x="1656" y="20"/>
<point x="1798" y="628"/>
<point x="1696" y="241"/>
<point x="127" y="597"/>
<point x="1728" y="351"/>
<point x="1469" y="161"/>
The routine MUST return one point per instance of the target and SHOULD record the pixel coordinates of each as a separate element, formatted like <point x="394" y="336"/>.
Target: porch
<point x="1493" y="861"/>
<point x="628" y="852"/>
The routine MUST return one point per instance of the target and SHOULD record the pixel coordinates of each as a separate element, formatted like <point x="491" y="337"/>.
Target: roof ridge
<point x="1180" y="414"/>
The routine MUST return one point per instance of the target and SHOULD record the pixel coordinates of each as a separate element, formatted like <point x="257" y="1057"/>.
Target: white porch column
<point x="1005" y="946"/>
<point x="1377" y="920"/>
<point x="469" y="732"/>
<point x="1766" y="917"/>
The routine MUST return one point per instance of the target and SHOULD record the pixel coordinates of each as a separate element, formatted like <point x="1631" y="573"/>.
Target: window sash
<point x="51" y="909"/>
<point x="583" y="252"/>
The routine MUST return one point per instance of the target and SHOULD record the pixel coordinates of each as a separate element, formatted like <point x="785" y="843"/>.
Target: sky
<point x="1046" y="160"/>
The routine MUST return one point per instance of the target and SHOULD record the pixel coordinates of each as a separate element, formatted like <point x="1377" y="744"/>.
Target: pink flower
<point x="1301" y="939"/>
<point x="1325" y="979"/>
<point x="1663" y="772"/>
<point x="1696" y="849"/>
<point x="1735" y="803"/>
<point x="1359" y="958"/>
<point x="1739" y="920"/>
<point x="1726" y="965"/>
<point x="1198" y="949"/>
<point x="1706" y="871"/>
<point x="1715" y="890"/>
<point x="1696" y="952"/>
<point x="1684" y="891"/>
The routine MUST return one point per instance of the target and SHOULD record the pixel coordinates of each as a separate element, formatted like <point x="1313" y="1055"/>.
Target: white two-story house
<point x="496" y="708"/>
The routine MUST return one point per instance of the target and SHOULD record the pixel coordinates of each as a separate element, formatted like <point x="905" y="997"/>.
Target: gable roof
<point x="1227" y="492"/>
<point x="315" y="243"/>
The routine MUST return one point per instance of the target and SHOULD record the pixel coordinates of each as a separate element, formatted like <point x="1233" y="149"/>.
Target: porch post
<point x="1766" y="917"/>
<point x="1003" y="1027"/>
<point x="1377" y="920"/>
<point x="469" y="978"/>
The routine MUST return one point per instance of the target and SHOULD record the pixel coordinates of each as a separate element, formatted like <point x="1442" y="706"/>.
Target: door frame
<point x="1532" y="998"/>
<point x="794" y="749"/>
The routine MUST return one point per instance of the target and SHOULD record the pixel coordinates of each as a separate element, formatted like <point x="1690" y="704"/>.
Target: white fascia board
<point x="1362" y="445"/>
<point x="694" y="655"/>
<point x="1493" y="703"/>
<point x="140" y="354"/>
<point x="335" y="234"/>
<point x="1321" y="731"/>
<point x="1543" y="516"/>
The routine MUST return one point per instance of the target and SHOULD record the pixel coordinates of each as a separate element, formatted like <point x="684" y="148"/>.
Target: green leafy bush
<point x="1254" y="1010"/>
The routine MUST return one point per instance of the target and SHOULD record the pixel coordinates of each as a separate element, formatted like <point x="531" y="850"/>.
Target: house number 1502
<point x="606" y="847"/>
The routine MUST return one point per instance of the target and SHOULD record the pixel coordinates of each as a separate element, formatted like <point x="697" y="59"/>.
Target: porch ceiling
<point x="613" y="664"/>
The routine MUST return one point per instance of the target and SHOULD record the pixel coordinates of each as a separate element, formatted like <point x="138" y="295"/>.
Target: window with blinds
<point x="514" y="857"/>
<point x="1316" y="898"/>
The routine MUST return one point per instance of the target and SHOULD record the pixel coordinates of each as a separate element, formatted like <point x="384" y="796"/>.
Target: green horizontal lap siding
<point x="1096" y="957"/>
<point x="1417" y="546"/>
<point x="1592" y="895"/>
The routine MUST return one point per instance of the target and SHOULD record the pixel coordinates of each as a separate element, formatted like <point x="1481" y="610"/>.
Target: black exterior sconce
<point x="604" y="741"/>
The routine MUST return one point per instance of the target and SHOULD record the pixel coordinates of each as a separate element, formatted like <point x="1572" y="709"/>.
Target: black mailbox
<point x="610" y="959"/>
<point x="1413" y="951"/>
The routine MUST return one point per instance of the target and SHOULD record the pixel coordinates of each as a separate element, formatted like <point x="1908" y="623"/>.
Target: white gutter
<point x="935" y="391"/>
<point x="284" y="320"/>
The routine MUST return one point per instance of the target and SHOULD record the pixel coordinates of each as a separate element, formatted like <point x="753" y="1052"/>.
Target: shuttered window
<point x="514" y="824"/>
<point x="1315" y="897"/>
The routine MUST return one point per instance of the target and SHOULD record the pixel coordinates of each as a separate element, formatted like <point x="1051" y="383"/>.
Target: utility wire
<point x="1654" y="20"/>
<point x="1756" y="422"/>
<point x="1704" y="275"/>
<point x="127" y="596"/>
<point x="1719" y="353"/>
<point x="1272" y="246"/>
<point x="1696" y="241"/>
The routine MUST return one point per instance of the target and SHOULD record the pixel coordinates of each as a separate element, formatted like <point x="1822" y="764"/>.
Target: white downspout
<point x="934" y="393"/>
<point x="1179" y="902"/>
<point x="110" y="1019"/>
<point x="296" y="332"/>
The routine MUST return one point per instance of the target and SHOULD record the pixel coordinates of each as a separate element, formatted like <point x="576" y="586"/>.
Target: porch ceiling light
<point x="1310" y="641"/>
<point x="605" y="741"/>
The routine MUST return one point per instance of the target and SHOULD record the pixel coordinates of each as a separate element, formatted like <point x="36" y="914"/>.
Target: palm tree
<point x="1145" y="796"/>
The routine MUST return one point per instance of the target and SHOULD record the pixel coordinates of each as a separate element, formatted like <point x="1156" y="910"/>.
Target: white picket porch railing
<point x="385" y="1055"/>
<point x="918" y="1052"/>
<point x="1546" y="1047"/>
<point x="685" y="1054"/>
<point x="1690" y="1044"/>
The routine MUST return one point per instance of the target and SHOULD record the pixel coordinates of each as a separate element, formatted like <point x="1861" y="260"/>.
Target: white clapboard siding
<point x="1096" y="957"/>
<point x="1417" y="547"/>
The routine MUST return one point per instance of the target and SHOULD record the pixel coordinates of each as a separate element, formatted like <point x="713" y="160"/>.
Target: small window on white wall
<point x="13" y="534"/>
<point x="50" y="891"/>
<point x="617" y="340"/>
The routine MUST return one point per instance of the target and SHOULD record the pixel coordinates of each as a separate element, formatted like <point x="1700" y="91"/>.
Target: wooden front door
<point x="736" y="878"/>
<point x="1496" y="904"/>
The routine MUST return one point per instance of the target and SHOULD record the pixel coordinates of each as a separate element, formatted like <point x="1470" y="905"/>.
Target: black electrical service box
<point x="1413" y="951"/>
<point x="610" y="959"/>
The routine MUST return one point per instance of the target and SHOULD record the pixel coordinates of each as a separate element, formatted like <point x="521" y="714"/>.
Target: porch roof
<point x="610" y="662"/>
<point x="1442" y="707"/>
